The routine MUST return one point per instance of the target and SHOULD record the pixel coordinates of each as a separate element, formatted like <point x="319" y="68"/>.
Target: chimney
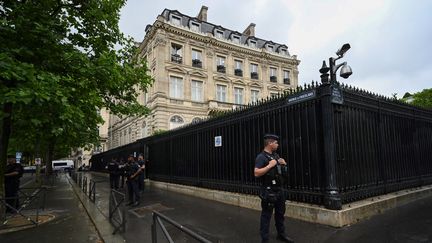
<point x="202" y="15"/>
<point x="250" y="30"/>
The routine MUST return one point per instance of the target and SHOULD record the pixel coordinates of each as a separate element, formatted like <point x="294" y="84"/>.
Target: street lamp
<point x="345" y="72"/>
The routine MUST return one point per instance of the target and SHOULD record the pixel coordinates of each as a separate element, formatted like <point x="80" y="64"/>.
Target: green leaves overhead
<point x="59" y="65"/>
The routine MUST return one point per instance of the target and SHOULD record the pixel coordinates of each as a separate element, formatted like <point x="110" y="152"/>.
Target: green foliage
<point x="159" y="131"/>
<point x="61" y="62"/>
<point x="423" y="98"/>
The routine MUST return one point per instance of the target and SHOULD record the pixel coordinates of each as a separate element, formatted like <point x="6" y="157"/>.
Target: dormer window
<point x="176" y="19"/>
<point x="219" y="34"/>
<point x="283" y="52"/>
<point x="235" y="39"/>
<point x="194" y="26"/>
<point x="270" y="47"/>
<point x="252" y="43"/>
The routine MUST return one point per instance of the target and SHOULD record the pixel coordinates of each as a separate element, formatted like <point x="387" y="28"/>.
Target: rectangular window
<point x="236" y="39"/>
<point x="254" y="95"/>
<point x="286" y="79"/>
<point x="238" y="96"/>
<point x="273" y="73"/>
<point x="176" y="87"/>
<point x="254" y="68"/>
<point x="221" y="93"/>
<point x="273" y="94"/>
<point x="252" y="43"/>
<point x="219" y="33"/>
<point x="175" y="20"/>
<point x="220" y="61"/>
<point x="196" y="89"/>
<point x="238" y="68"/>
<point x="196" y="58"/>
<point x="269" y="48"/>
<point x="195" y="26"/>
<point x="238" y="65"/>
<point x="176" y="53"/>
<point x="283" y="52"/>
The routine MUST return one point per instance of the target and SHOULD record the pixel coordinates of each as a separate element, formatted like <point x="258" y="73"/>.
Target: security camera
<point x="343" y="49"/>
<point x="346" y="71"/>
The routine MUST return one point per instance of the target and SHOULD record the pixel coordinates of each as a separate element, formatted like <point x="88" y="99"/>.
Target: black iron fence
<point x="342" y="144"/>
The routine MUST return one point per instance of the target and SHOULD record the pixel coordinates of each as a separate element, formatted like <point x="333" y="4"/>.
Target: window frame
<point x="198" y="89"/>
<point x="176" y="91"/>
<point x="221" y="93"/>
<point x="238" y="96"/>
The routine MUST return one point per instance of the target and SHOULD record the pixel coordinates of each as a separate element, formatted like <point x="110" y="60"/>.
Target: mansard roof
<point x="207" y="27"/>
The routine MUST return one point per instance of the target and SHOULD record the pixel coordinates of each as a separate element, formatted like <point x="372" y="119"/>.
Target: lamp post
<point x="330" y="94"/>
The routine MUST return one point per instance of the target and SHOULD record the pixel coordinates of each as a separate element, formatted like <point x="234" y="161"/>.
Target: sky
<point x="391" y="40"/>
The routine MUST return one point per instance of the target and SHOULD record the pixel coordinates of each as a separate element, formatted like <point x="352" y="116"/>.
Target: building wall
<point x="157" y="47"/>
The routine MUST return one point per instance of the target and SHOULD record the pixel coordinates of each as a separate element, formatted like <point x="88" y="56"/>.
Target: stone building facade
<point x="199" y="67"/>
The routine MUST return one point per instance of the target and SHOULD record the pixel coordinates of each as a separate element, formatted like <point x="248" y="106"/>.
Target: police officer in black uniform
<point x="141" y="176"/>
<point x="114" y="171"/>
<point x="272" y="171"/>
<point x="14" y="172"/>
<point x="132" y="173"/>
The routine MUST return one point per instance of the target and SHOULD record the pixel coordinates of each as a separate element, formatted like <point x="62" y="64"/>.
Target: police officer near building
<point x="14" y="172"/>
<point x="132" y="174"/>
<point x="114" y="171"/>
<point x="272" y="171"/>
<point x="141" y="175"/>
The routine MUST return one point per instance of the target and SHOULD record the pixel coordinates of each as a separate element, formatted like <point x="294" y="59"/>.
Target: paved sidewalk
<point x="220" y="222"/>
<point x="215" y="221"/>
<point x="70" y="225"/>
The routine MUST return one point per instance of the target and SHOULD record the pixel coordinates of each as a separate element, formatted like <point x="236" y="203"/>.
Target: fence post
<point x="332" y="199"/>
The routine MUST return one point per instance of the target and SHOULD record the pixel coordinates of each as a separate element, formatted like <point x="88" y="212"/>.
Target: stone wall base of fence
<point x="349" y="214"/>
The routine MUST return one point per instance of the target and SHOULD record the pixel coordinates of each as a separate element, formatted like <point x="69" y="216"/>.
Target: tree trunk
<point x="49" y="168"/>
<point x="5" y="131"/>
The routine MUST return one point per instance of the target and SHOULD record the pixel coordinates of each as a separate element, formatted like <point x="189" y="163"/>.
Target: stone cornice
<point x="207" y="39"/>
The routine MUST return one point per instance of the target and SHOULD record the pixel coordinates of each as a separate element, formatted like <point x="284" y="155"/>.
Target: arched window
<point x="176" y="121"/>
<point x="196" y="120"/>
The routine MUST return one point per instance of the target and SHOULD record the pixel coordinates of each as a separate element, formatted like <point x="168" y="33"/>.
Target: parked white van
<point x="62" y="164"/>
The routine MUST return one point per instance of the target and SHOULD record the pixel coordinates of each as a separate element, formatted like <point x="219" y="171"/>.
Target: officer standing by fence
<point x="14" y="172"/>
<point x="141" y="176"/>
<point x="132" y="171"/>
<point x="272" y="171"/>
<point x="114" y="171"/>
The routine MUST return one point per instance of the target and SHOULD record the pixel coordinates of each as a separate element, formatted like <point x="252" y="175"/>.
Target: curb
<point x="101" y="223"/>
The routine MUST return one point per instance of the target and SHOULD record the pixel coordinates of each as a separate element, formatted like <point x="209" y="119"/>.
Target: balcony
<point x="273" y="79"/>
<point x="238" y="72"/>
<point x="254" y="75"/>
<point x="220" y="68"/>
<point x="286" y="81"/>
<point x="176" y="58"/>
<point x="196" y="63"/>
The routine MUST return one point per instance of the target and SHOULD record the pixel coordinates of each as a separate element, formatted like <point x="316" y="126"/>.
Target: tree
<point x="423" y="98"/>
<point x="60" y="62"/>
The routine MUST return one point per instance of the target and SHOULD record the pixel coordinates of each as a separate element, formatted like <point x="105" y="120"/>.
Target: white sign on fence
<point x="218" y="141"/>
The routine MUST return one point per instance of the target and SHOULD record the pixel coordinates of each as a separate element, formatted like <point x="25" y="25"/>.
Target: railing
<point x="92" y="190"/>
<point x="28" y="200"/>
<point x="117" y="211"/>
<point x="342" y="144"/>
<point x="157" y="220"/>
<point x="84" y="184"/>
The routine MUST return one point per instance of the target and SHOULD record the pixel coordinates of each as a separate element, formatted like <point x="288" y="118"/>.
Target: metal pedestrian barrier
<point x="117" y="211"/>
<point x="157" y="220"/>
<point x="92" y="190"/>
<point x="29" y="198"/>
<point x="84" y="184"/>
